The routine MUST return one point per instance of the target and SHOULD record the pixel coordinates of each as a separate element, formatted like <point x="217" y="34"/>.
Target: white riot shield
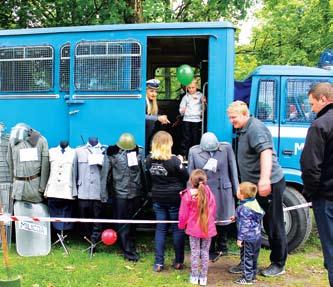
<point x="32" y="238"/>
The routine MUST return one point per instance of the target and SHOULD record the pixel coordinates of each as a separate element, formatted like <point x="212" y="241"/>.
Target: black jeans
<point x="274" y="223"/>
<point x="91" y="209"/>
<point x="219" y="242"/>
<point x="323" y="212"/>
<point x="191" y="136"/>
<point x="125" y="209"/>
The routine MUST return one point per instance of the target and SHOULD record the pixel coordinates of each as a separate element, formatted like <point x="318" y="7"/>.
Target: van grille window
<point x="108" y="66"/>
<point x="64" y="67"/>
<point x="297" y="107"/>
<point x="26" y="69"/>
<point x="266" y="100"/>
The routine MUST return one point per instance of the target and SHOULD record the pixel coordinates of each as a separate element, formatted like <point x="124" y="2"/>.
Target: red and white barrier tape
<point x="8" y="217"/>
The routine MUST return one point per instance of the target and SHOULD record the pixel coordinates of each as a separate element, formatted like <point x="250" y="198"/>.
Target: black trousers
<point x="219" y="242"/>
<point x="91" y="209"/>
<point x="125" y="209"/>
<point x="60" y="207"/>
<point x="274" y="224"/>
<point x="249" y="258"/>
<point x="191" y="136"/>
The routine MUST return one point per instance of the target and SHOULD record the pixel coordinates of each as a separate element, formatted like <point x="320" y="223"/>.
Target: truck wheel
<point x="297" y="222"/>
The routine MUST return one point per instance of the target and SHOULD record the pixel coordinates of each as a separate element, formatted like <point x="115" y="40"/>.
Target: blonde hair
<point x="248" y="189"/>
<point x="238" y="107"/>
<point x="152" y="107"/>
<point x="322" y="89"/>
<point x="198" y="179"/>
<point x="161" y="146"/>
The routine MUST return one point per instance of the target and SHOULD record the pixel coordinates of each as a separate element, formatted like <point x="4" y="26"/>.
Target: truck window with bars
<point x="26" y="69"/>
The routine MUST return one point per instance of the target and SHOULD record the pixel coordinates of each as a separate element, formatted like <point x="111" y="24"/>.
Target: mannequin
<point x="63" y="144"/>
<point x="218" y="161"/>
<point x="61" y="188"/>
<point x="90" y="160"/>
<point x="123" y="180"/>
<point x="28" y="161"/>
<point x="93" y="141"/>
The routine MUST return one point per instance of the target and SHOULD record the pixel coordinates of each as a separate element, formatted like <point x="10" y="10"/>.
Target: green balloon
<point x="185" y="74"/>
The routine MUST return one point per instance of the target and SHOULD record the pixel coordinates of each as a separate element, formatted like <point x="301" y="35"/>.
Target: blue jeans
<point x="168" y="212"/>
<point x="323" y="212"/>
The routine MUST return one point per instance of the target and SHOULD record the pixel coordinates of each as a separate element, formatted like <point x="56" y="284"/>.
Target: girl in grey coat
<point x="218" y="161"/>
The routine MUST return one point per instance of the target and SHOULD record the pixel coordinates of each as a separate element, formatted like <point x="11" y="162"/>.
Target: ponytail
<point x="198" y="180"/>
<point x="202" y="208"/>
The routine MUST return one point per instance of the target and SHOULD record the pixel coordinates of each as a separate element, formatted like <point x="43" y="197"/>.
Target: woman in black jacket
<point x="168" y="177"/>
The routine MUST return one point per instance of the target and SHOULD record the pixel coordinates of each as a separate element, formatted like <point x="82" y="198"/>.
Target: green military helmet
<point x="126" y="141"/>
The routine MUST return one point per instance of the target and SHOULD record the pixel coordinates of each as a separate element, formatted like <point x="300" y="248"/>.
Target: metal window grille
<point x="64" y="67"/>
<point x="266" y="100"/>
<point x="26" y="69"/>
<point x="108" y="66"/>
<point x="297" y="105"/>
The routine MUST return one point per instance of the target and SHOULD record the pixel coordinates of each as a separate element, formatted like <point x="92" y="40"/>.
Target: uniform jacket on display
<point x="28" y="162"/>
<point x="62" y="181"/>
<point x="223" y="182"/>
<point x="90" y="160"/>
<point x="118" y="178"/>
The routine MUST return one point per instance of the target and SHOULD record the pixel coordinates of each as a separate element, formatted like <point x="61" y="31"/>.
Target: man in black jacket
<point x="317" y="168"/>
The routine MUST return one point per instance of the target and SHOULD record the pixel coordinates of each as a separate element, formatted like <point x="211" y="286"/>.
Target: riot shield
<point x="32" y="238"/>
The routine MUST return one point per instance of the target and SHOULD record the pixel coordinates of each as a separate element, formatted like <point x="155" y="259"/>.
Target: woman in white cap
<point x="152" y="115"/>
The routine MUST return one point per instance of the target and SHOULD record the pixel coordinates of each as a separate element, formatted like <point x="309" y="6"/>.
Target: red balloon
<point x="109" y="236"/>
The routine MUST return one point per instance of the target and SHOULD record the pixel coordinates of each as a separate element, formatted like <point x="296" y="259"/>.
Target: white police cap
<point x="153" y="84"/>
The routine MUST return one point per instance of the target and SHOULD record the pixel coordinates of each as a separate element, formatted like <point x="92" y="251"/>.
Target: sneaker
<point x="178" y="266"/>
<point x="133" y="256"/>
<point x="273" y="270"/>
<point x="214" y="256"/>
<point x="158" y="267"/>
<point x="194" y="280"/>
<point x="202" y="281"/>
<point x="243" y="281"/>
<point x="236" y="269"/>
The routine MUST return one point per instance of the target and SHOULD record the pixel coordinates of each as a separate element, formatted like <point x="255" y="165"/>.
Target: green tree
<point x="195" y="10"/>
<point x="292" y="32"/>
<point x="51" y="13"/>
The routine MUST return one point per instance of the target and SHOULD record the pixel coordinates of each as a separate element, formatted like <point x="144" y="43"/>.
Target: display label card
<point x="28" y="154"/>
<point x="132" y="159"/>
<point x="211" y="164"/>
<point x="95" y="158"/>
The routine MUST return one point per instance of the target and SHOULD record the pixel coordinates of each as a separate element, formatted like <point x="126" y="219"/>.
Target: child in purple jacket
<point x="249" y="216"/>
<point x="197" y="216"/>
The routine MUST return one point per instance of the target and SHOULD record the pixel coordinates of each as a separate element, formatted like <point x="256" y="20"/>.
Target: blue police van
<point x="75" y="82"/>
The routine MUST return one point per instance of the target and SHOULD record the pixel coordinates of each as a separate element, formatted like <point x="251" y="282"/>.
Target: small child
<point x="191" y="107"/>
<point x="249" y="216"/>
<point x="197" y="216"/>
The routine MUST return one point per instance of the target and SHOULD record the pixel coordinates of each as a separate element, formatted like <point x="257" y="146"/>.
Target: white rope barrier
<point x="7" y="218"/>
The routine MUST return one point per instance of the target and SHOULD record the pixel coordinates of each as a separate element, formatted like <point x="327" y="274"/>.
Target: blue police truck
<point x="75" y="82"/>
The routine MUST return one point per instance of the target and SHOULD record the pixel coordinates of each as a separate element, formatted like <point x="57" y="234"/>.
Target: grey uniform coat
<point x="30" y="190"/>
<point x="223" y="182"/>
<point x="89" y="176"/>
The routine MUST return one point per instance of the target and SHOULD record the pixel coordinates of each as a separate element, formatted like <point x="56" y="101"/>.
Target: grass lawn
<point x="108" y="268"/>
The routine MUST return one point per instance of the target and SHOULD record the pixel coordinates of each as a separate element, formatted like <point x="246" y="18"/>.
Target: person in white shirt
<point x="191" y="108"/>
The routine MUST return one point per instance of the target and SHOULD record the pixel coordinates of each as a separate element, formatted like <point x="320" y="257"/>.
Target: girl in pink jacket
<point x="197" y="216"/>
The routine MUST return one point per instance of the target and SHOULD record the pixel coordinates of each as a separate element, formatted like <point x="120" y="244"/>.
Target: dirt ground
<point x="218" y="275"/>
